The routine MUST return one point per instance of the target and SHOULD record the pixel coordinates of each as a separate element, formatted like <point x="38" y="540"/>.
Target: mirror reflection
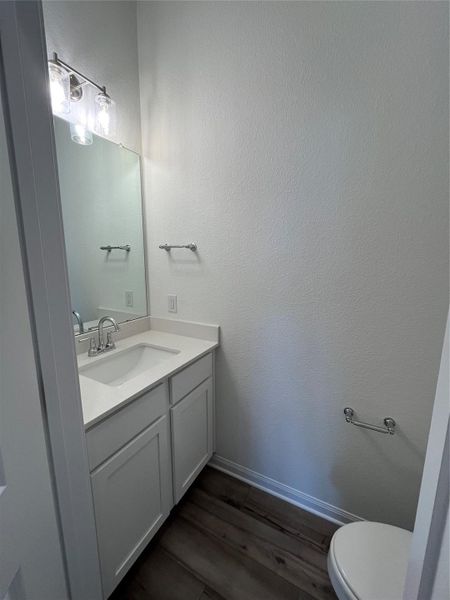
<point x="103" y="224"/>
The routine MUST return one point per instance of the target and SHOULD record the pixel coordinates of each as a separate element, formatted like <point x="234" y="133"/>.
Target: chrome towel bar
<point x="127" y="248"/>
<point x="389" y="423"/>
<point x="169" y="247"/>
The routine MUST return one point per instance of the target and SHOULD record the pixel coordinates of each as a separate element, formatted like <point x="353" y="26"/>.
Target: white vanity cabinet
<point x="192" y="422"/>
<point x="131" y="481"/>
<point x="143" y="458"/>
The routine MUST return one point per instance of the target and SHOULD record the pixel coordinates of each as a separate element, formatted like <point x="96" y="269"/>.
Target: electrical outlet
<point x="172" y="303"/>
<point x="128" y="298"/>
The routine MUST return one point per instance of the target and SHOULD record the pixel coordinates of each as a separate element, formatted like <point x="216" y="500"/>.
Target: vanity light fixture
<point x="105" y="114"/>
<point x="68" y="88"/>
<point x="59" y="88"/>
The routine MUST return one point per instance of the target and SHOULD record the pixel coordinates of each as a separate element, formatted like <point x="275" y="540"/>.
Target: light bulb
<point x="80" y="134"/>
<point x="59" y="88"/>
<point x="105" y="115"/>
<point x="103" y="119"/>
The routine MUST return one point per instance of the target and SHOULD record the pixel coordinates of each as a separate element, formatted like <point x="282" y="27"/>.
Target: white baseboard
<point x="285" y="492"/>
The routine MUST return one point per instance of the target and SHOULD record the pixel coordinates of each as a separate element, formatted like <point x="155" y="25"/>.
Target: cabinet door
<point x="192" y="436"/>
<point x="132" y="497"/>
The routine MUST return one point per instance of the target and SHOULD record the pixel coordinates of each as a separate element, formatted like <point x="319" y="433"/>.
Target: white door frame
<point x="38" y="207"/>
<point x="433" y="503"/>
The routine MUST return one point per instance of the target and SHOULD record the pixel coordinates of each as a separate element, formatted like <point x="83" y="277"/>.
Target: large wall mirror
<point x="103" y="224"/>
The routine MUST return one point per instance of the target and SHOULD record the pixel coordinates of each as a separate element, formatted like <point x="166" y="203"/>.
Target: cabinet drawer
<point x="118" y="429"/>
<point x="188" y="379"/>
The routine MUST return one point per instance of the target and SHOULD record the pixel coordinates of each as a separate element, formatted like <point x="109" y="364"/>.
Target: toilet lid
<point x="372" y="559"/>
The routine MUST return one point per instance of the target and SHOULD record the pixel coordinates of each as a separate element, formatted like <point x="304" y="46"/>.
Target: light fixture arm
<point x="72" y="71"/>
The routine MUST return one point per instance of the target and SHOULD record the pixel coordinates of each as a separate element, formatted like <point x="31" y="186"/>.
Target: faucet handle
<point x="93" y="350"/>
<point x="110" y="343"/>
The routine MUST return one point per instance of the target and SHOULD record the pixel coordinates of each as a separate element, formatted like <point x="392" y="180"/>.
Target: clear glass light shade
<point x="82" y="118"/>
<point x="80" y="134"/>
<point x="105" y="115"/>
<point x="59" y="89"/>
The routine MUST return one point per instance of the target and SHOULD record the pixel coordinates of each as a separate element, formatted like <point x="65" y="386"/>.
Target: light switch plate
<point x="129" y="299"/>
<point x="172" y="303"/>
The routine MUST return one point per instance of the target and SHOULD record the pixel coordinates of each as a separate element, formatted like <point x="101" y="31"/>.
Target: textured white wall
<point x="304" y="146"/>
<point x="98" y="37"/>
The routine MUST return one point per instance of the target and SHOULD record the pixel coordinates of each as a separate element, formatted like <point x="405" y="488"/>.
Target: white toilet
<point x="368" y="561"/>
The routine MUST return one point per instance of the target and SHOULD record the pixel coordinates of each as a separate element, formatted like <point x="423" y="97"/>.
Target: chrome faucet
<point x="100" y="347"/>
<point x="79" y="320"/>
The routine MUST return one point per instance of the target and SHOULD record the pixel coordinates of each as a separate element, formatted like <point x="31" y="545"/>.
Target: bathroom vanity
<point x="148" y="409"/>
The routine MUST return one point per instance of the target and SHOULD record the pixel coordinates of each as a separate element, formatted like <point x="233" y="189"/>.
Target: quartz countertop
<point x="100" y="400"/>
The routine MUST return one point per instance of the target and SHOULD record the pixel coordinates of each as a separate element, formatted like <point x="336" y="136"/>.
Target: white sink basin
<point x="121" y="366"/>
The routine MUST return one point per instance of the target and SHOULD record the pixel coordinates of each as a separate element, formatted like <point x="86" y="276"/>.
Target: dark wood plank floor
<point x="230" y="541"/>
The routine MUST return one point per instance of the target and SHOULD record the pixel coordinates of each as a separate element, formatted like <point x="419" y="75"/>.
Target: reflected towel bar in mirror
<point x="389" y="423"/>
<point x="127" y="248"/>
<point x="169" y="247"/>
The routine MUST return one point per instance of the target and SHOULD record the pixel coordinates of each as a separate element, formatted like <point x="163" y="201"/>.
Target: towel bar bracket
<point x="389" y="423"/>
<point x="108" y="248"/>
<point x="168" y="247"/>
